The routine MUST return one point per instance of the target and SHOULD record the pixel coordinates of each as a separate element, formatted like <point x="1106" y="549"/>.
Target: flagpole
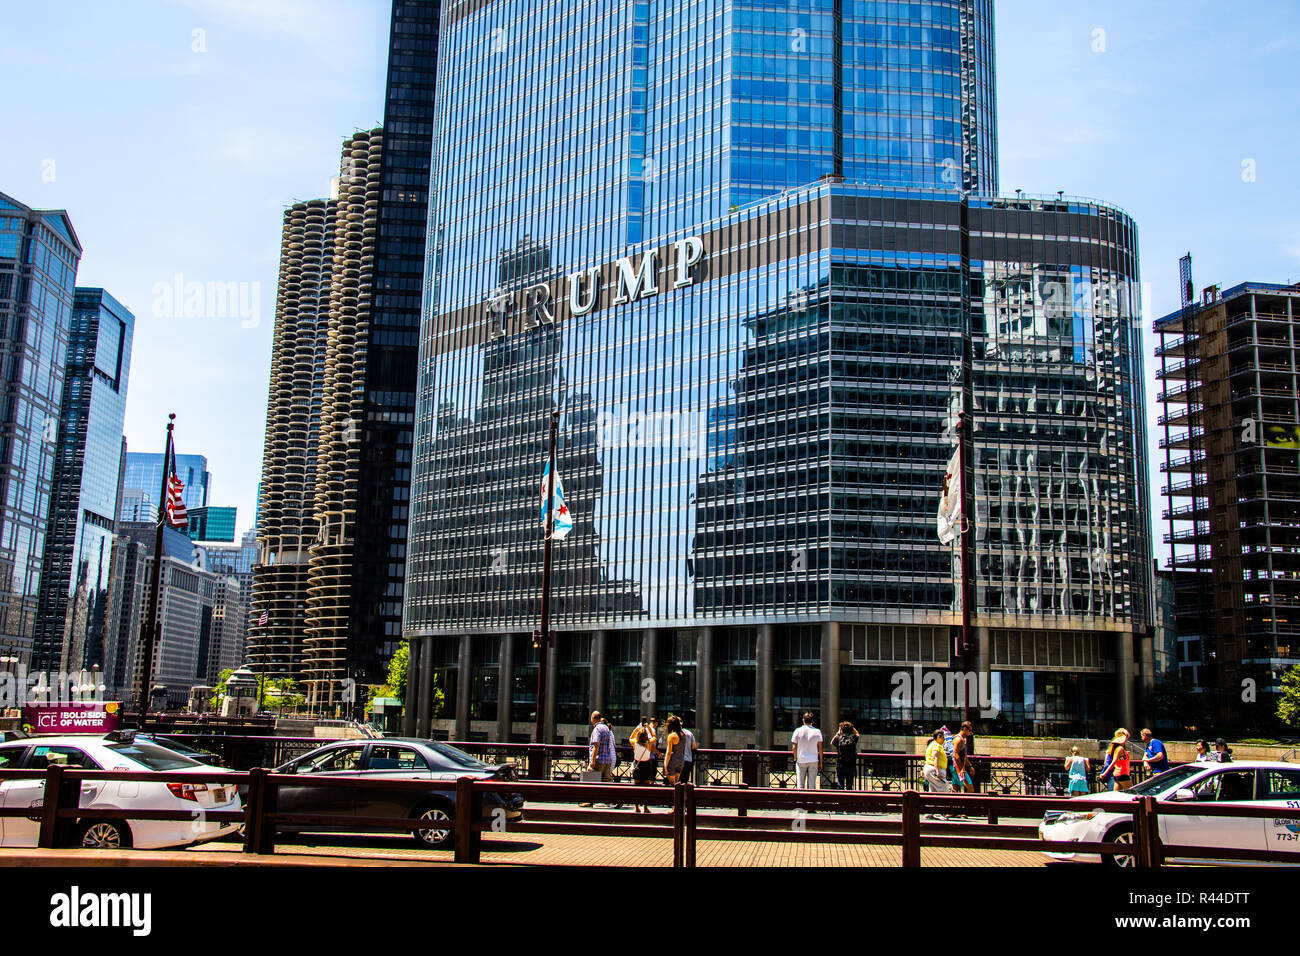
<point x="155" y="584"/>
<point x="967" y="591"/>
<point x="542" y="638"/>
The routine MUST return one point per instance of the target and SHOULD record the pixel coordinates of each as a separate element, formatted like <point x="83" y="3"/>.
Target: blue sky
<point x="175" y="153"/>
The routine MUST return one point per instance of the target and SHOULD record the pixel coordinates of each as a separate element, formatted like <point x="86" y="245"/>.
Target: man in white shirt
<point x="806" y="748"/>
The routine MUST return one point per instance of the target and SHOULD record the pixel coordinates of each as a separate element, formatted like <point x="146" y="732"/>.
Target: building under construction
<point x="1231" y="404"/>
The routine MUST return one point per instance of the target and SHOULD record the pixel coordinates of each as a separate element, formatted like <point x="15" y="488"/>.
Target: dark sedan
<point x="393" y="758"/>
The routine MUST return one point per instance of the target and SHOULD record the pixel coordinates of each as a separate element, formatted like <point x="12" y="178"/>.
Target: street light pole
<point x="542" y="637"/>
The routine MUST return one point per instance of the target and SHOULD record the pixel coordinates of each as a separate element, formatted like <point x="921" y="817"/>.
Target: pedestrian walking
<point x="1116" y="772"/>
<point x="947" y="749"/>
<point x="1076" y="766"/>
<point x="806" y="748"/>
<point x="846" y="761"/>
<point x="1222" y="752"/>
<point x="1203" y="752"/>
<point x="961" y="758"/>
<point x="936" y="764"/>
<point x="674" y="750"/>
<point x="1157" y="758"/>
<point x="601" y="747"/>
<point x="688" y="765"/>
<point x="645" y="760"/>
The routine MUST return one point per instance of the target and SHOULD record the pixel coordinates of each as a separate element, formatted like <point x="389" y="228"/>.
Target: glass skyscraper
<point x="753" y="255"/>
<point x="79" y="543"/>
<point x="39" y="254"/>
<point x="143" y="480"/>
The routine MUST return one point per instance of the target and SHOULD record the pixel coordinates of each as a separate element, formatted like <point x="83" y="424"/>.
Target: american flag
<point x="261" y="621"/>
<point x="176" y="515"/>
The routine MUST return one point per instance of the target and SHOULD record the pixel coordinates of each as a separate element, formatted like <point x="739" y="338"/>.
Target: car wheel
<point x="439" y="826"/>
<point x="1121" y="835"/>
<point x="104" y="835"/>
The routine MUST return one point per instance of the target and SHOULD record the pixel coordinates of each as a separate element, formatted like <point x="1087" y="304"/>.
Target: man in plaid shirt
<point x="602" y="750"/>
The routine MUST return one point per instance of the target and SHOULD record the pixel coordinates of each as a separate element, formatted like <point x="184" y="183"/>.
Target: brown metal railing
<point x="60" y="811"/>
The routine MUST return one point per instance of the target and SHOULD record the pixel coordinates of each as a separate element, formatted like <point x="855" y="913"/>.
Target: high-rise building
<point x="336" y="472"/>
<point x="755" y="259"/>
<point x="71" y="615"/>
<point x="39" y="254"/>
<point x="234" y="561"/>
<point x="143" y="481"/>
<point x="286" y="519"/>
<point x="211" y="523"/>
<point x="1230" y="453"/>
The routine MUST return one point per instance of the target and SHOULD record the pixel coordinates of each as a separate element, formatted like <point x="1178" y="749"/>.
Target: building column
<point x="505" y="687"/>
<point x="764" y="686"/>
<point x="552" y="674"/>
<point x="830" y="678"/>
<point x="463" y="685"/>
<point x="1124" y="675"/>
<point x="704" y="686"/>
<point x="599" y="677"/>
<point x="983" y="659"/>
<point x="411" y="693"/>
<point x="1147" y="642"/>
<point x="649" y="669"/>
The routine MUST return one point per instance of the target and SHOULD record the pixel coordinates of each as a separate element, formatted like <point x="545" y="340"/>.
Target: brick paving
<point x="544" y="849"/>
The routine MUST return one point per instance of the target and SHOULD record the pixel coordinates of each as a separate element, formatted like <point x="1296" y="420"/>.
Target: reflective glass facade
<point x="72" y="613"/>
<point x="39" y="254"/>
<point x="144" y="476"/>
<point x="758" y="389"/>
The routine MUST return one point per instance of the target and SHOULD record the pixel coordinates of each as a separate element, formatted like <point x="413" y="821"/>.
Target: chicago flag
<point x="563" y="518"/>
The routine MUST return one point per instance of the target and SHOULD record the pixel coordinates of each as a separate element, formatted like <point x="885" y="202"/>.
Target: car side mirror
<point x="1185" y="794"/>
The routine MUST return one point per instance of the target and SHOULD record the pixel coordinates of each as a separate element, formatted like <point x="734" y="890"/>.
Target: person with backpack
<point x="1077" y="767"/>
<point x="645" y="760"/>
<point x="1116" y="773"/>
<point x="846" y="763"/>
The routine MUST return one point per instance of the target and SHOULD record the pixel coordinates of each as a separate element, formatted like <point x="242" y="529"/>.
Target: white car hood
<point x="1109" y="796"/>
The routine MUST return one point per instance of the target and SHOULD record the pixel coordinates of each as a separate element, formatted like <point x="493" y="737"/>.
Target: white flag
<point x="950" y="501"/>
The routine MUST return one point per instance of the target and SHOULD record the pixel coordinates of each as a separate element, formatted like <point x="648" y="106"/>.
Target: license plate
<point x="219" y="795"/>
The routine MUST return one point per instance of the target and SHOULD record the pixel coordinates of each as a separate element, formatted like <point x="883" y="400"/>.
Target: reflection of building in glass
<point x="71" y="618"/>
<point x="39" y="253"/>
<point x="143" y="481"/>
<point x="1232" y="496"/>
<point x="773" y="417"/>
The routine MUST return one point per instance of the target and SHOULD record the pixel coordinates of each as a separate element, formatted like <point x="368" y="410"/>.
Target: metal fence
<point x="774" y="769"/>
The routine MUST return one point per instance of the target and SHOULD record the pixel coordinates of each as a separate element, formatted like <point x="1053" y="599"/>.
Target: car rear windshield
<point x="457" y="757"/>
<point x="152" y="756"/>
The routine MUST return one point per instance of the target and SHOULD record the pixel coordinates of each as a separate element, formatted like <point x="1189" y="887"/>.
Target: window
<point x="396" y="758"/>
<point x="1231" y="785"/>
<point x="1283" y="784"/>
<point x="332" y="761"/>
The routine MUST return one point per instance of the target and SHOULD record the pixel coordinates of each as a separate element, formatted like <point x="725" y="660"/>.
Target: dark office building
<point x="336" y="611"/>
<point x="1231" y="456"/>
<point x="758" y="279"/>
<point x="39" y="254"/>
<point x="72" y="611"/>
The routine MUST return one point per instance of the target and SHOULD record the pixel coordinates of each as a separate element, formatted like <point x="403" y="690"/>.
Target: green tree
<point x="219" y="692"/>
<point x="395" y="685"/>
<point x="1288" y="701"/>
